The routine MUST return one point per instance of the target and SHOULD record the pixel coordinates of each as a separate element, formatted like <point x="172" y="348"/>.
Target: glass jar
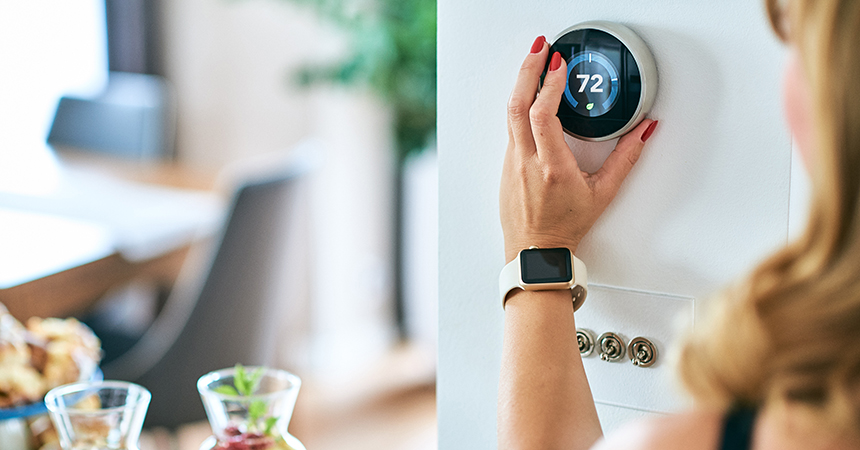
<point x="103" y="415"/>
<point x="255" y="421"/>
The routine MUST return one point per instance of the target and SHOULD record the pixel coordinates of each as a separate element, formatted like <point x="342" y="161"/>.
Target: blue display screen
<point x="592" y="84"/>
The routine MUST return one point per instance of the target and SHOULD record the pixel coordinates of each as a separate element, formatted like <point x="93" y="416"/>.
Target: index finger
<point x="546" y="127"/>
<point x="523" y="96"/>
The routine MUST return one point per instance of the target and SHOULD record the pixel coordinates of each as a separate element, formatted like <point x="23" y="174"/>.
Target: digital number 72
<point x="584" y="77"/>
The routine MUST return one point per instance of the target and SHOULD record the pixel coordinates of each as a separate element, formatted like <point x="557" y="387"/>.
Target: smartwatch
<point x="541" y="269"/>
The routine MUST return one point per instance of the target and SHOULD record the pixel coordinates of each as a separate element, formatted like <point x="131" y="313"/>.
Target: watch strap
<point x="510" y="279"/>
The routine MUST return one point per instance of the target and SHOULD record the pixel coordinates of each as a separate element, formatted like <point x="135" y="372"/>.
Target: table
<point x="62" y="251"/>
<point x="74" y="290"/>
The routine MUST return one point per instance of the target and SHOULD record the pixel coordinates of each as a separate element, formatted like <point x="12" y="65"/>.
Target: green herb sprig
<point x="245" y="384"/>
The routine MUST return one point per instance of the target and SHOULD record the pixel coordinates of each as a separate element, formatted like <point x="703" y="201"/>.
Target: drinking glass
<point x="250" y="422"/>
<point x="103" y="415"/>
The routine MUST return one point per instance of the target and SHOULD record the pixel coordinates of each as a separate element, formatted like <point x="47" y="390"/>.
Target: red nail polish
<point x="538" y="45"/>
<point x="649" y="131"/>
<point x="555" y="63"/>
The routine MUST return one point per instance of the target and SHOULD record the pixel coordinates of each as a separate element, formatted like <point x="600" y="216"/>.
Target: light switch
<point x="632" y="314"/>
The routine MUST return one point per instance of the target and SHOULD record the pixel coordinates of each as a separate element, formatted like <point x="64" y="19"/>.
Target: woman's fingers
<point x="546" y="127"/>
<point x="608" y="179"/>
<point x="523" y="96"/>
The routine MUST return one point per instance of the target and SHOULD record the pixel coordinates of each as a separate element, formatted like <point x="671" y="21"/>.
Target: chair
<point x="231" y="314"/>
<point x="133" y="118"/>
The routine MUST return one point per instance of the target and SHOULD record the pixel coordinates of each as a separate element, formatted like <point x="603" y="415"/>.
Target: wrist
<point x="513" y="248"/>
<point x="519" y="299"/>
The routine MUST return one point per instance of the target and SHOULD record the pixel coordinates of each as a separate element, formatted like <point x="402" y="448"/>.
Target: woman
<point x="778" y="365"/>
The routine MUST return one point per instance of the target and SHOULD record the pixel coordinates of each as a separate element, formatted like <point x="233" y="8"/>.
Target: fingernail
<point x="555" y="63"/>
<point x="649" y="131"/>
<point x="538" y="45"/>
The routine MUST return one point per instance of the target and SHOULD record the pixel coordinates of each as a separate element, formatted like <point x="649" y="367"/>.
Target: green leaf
<point x="226" y="389"/>
<point x="393" y="52"/>
<point x="247" y="383"/>
<point x="240" y="380"/>
<point x="270" y="423"/>
<point x="256" y="410"/>
<point x="253" y="381"/>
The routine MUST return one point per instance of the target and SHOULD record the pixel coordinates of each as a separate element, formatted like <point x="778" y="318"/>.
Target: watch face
<point x="545" y="265"/>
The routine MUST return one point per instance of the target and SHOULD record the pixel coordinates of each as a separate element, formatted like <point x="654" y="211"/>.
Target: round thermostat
<point x="611" y="80"/>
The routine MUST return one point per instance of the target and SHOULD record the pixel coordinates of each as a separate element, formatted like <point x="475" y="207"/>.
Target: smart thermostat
<point x="611" y="80"/>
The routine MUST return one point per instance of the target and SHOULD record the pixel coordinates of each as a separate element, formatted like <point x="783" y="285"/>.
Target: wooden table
<point x="74" y="290"/>
<point x="55" y="266"/>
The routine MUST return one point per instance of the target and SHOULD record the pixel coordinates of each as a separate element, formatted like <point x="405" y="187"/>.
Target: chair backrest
<point x="133" y="118"/>
<point x="232" y="316"/>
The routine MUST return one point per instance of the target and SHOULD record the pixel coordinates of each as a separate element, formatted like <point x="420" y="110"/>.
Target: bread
<point x="44" y="354"/>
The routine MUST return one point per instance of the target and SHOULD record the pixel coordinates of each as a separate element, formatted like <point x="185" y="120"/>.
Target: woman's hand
<point x="546" y="200"/>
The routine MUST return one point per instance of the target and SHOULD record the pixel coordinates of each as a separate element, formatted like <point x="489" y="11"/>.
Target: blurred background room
<point x="210" y="182"/>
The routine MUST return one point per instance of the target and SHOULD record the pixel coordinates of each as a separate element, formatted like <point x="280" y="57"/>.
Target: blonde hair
<point x="791" y="330"/>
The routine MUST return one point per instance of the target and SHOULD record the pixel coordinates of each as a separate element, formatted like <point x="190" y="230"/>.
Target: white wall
<point x="230" y="63"/>
<point x="708" y="199"/>
<point x="49" y="48"/>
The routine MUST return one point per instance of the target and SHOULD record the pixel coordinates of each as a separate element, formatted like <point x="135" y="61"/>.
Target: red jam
<point x="234" y="439"/>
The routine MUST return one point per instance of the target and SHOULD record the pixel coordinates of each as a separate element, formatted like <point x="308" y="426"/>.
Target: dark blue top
<point x="738" y="429"/>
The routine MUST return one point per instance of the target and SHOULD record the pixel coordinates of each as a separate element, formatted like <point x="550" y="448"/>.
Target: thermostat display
<point x="596" y="88"/>
<point x="611" y="80"/>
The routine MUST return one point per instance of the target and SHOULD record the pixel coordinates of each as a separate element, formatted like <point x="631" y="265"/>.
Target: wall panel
<point x="708" y="199"/>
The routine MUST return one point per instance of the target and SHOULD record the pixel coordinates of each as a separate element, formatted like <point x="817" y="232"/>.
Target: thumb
<point x="619" y="163"/>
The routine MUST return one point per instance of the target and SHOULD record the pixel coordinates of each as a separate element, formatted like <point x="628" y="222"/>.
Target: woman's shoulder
<point x="691" y="430"/>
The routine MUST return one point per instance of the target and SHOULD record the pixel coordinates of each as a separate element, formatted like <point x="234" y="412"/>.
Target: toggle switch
<point x="585" y="340"/>
<point x="642" y="352"/>
<point x="610" y="346"/>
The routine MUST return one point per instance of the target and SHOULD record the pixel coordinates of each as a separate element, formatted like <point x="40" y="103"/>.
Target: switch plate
<point x="630" y="314"/>
<point x="614" y="417"/>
